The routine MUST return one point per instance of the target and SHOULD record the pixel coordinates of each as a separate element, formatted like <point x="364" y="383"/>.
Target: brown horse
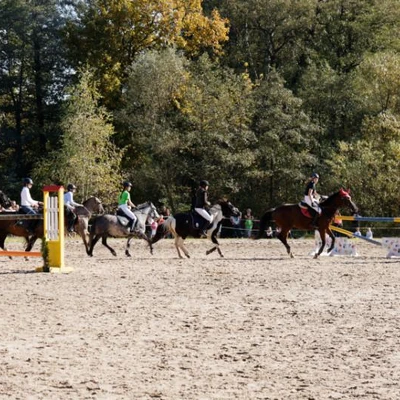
<point x="18" y="227"/>
<point x="290" y="216"/>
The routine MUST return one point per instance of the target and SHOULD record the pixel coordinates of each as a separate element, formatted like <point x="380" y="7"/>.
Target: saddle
<point x="123" y="218"/>
<point x="198" y="222"/>
<point x="306" y="210"/>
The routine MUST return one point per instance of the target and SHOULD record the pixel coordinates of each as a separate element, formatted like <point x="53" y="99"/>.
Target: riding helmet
<point x="204" y="183"/>
<point x="28" y="181"/>
<point x="314" y="175"/>
<point x="71" y="186"/>
<point x="127" y="184"/>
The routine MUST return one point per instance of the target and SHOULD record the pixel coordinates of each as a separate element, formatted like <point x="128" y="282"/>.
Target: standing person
<point x="235" y="221"/>
<point x="201" y="204"/>
<point x="28" y="205"/>
<point x="310" y="197"/>
<point x="70" y="205"/>
<point x="248" y="222"/>
<point x="125" y="204"/>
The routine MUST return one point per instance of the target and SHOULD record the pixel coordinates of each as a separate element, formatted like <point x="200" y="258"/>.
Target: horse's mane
<point x="144" y="205"/>
<point x="326" y="202"/>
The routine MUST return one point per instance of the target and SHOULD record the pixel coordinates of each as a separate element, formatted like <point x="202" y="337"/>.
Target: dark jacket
<point x="201" y="198"/>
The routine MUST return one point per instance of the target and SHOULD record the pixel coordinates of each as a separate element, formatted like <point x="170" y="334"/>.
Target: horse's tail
<point x="162" y="230"/>
<point x="267" y="217"/>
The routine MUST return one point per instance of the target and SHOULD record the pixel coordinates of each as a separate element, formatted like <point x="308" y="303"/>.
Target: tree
<point x="370" y="166"/>
<point x="32" y="77"/>
<point x="109" y="35"/>
<point x="87" y="156"/>
<point x="287" y="143"/>
<point x="185" y="121"/>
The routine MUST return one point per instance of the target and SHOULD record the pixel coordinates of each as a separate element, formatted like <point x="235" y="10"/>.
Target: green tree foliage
<point x="87" y="156"/>
<point x="287" y="143"/>
<point x="267" y="34"/>
<point x="370" y="166"/>
<point x="185" y="121"/>
<point x="32" y="75"/>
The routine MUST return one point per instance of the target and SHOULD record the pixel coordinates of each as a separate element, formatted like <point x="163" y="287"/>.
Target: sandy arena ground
<point x="253" y="325"/>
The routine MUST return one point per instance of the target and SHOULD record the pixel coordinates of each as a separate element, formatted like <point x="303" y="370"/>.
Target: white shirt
<point x="26" y="199"/>
<point x="69" y="200"/>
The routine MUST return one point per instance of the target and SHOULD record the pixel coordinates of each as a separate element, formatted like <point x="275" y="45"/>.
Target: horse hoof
<point x="315" y="256"/>
<point x="291" y="255"/>
<point x="128" y="254"/>
<point x="114" y="253"/>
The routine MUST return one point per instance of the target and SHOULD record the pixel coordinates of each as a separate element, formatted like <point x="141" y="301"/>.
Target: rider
<point x="201" y="203"/>
<point x="124" y="204"/>
<point x="310" y="197"/>
<point x="28" y="205"/>
<point x="70" y="205"/>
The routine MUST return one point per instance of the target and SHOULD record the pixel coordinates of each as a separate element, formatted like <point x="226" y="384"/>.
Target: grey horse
<point x="104" y="226"/>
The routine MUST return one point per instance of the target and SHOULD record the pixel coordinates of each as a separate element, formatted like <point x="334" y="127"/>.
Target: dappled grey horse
<point x="107" y="225"/>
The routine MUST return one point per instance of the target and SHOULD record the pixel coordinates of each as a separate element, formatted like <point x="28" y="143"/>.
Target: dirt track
<point x="253" y="325"/>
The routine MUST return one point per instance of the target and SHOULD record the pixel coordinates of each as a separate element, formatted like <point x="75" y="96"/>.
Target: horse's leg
<point x="282" y="236"/>
<point x="322" y="234"/>
<point x="332" y="236"/>
<point x="215" y="241"/>
<point x="93" y="239"/>
<point x="128" y="245"/>
<point x="178" y="245"/>
<point x="104" y="243"/>
<point x="30" y="242"/>
<point x="2" y="243"/>
<point x="82" y="231"/>
<point x="143" y="236"/>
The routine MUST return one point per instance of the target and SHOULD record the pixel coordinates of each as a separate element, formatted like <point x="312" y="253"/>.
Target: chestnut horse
<point x="18" y="227"/>
<point x="290" y="216"/>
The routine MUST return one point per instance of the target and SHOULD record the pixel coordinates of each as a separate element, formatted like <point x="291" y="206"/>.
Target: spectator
<point x="357" y="232"/>
<point x="248" y="222"/>
<point x="369" y="234"/>
<point x="235" y="221"/>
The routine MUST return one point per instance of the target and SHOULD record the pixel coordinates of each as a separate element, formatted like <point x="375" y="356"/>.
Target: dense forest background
<point x="252" y="95"/>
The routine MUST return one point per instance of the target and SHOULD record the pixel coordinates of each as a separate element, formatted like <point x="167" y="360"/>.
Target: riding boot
<point x="133" y="227"/>
<point x="207" y="225"/>
<point x="314" y="222"/>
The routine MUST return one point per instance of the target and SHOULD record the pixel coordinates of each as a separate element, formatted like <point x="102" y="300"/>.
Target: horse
<point x="288" y="216"/>
<point x="104" y="226"/>
<point x="182" y="225"/>
<point x="84" y="213"/>
<point x="5" y="201"/>
<point x="18" y="227"/>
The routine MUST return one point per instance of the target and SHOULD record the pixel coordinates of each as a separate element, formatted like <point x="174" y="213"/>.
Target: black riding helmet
<point x="204" y="183"/>
<point x="71" y="186"/>
<point x="127" y="184"/>
<point x="28" y="181"/>
<point x="314" y="175"/>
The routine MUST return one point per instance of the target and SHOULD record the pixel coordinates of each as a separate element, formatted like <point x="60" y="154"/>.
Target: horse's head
<point x="346" y="200"/>
<point x="94" y="205"/>
<point x="228" y="209"/>
<point x="5" y="201"/>
<point x="154" y="214"/>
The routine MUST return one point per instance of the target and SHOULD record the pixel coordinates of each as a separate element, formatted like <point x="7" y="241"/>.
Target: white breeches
<point x="128" y="212"/>
<point x="204" y="214"/>
<point x="313" y="204"/>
